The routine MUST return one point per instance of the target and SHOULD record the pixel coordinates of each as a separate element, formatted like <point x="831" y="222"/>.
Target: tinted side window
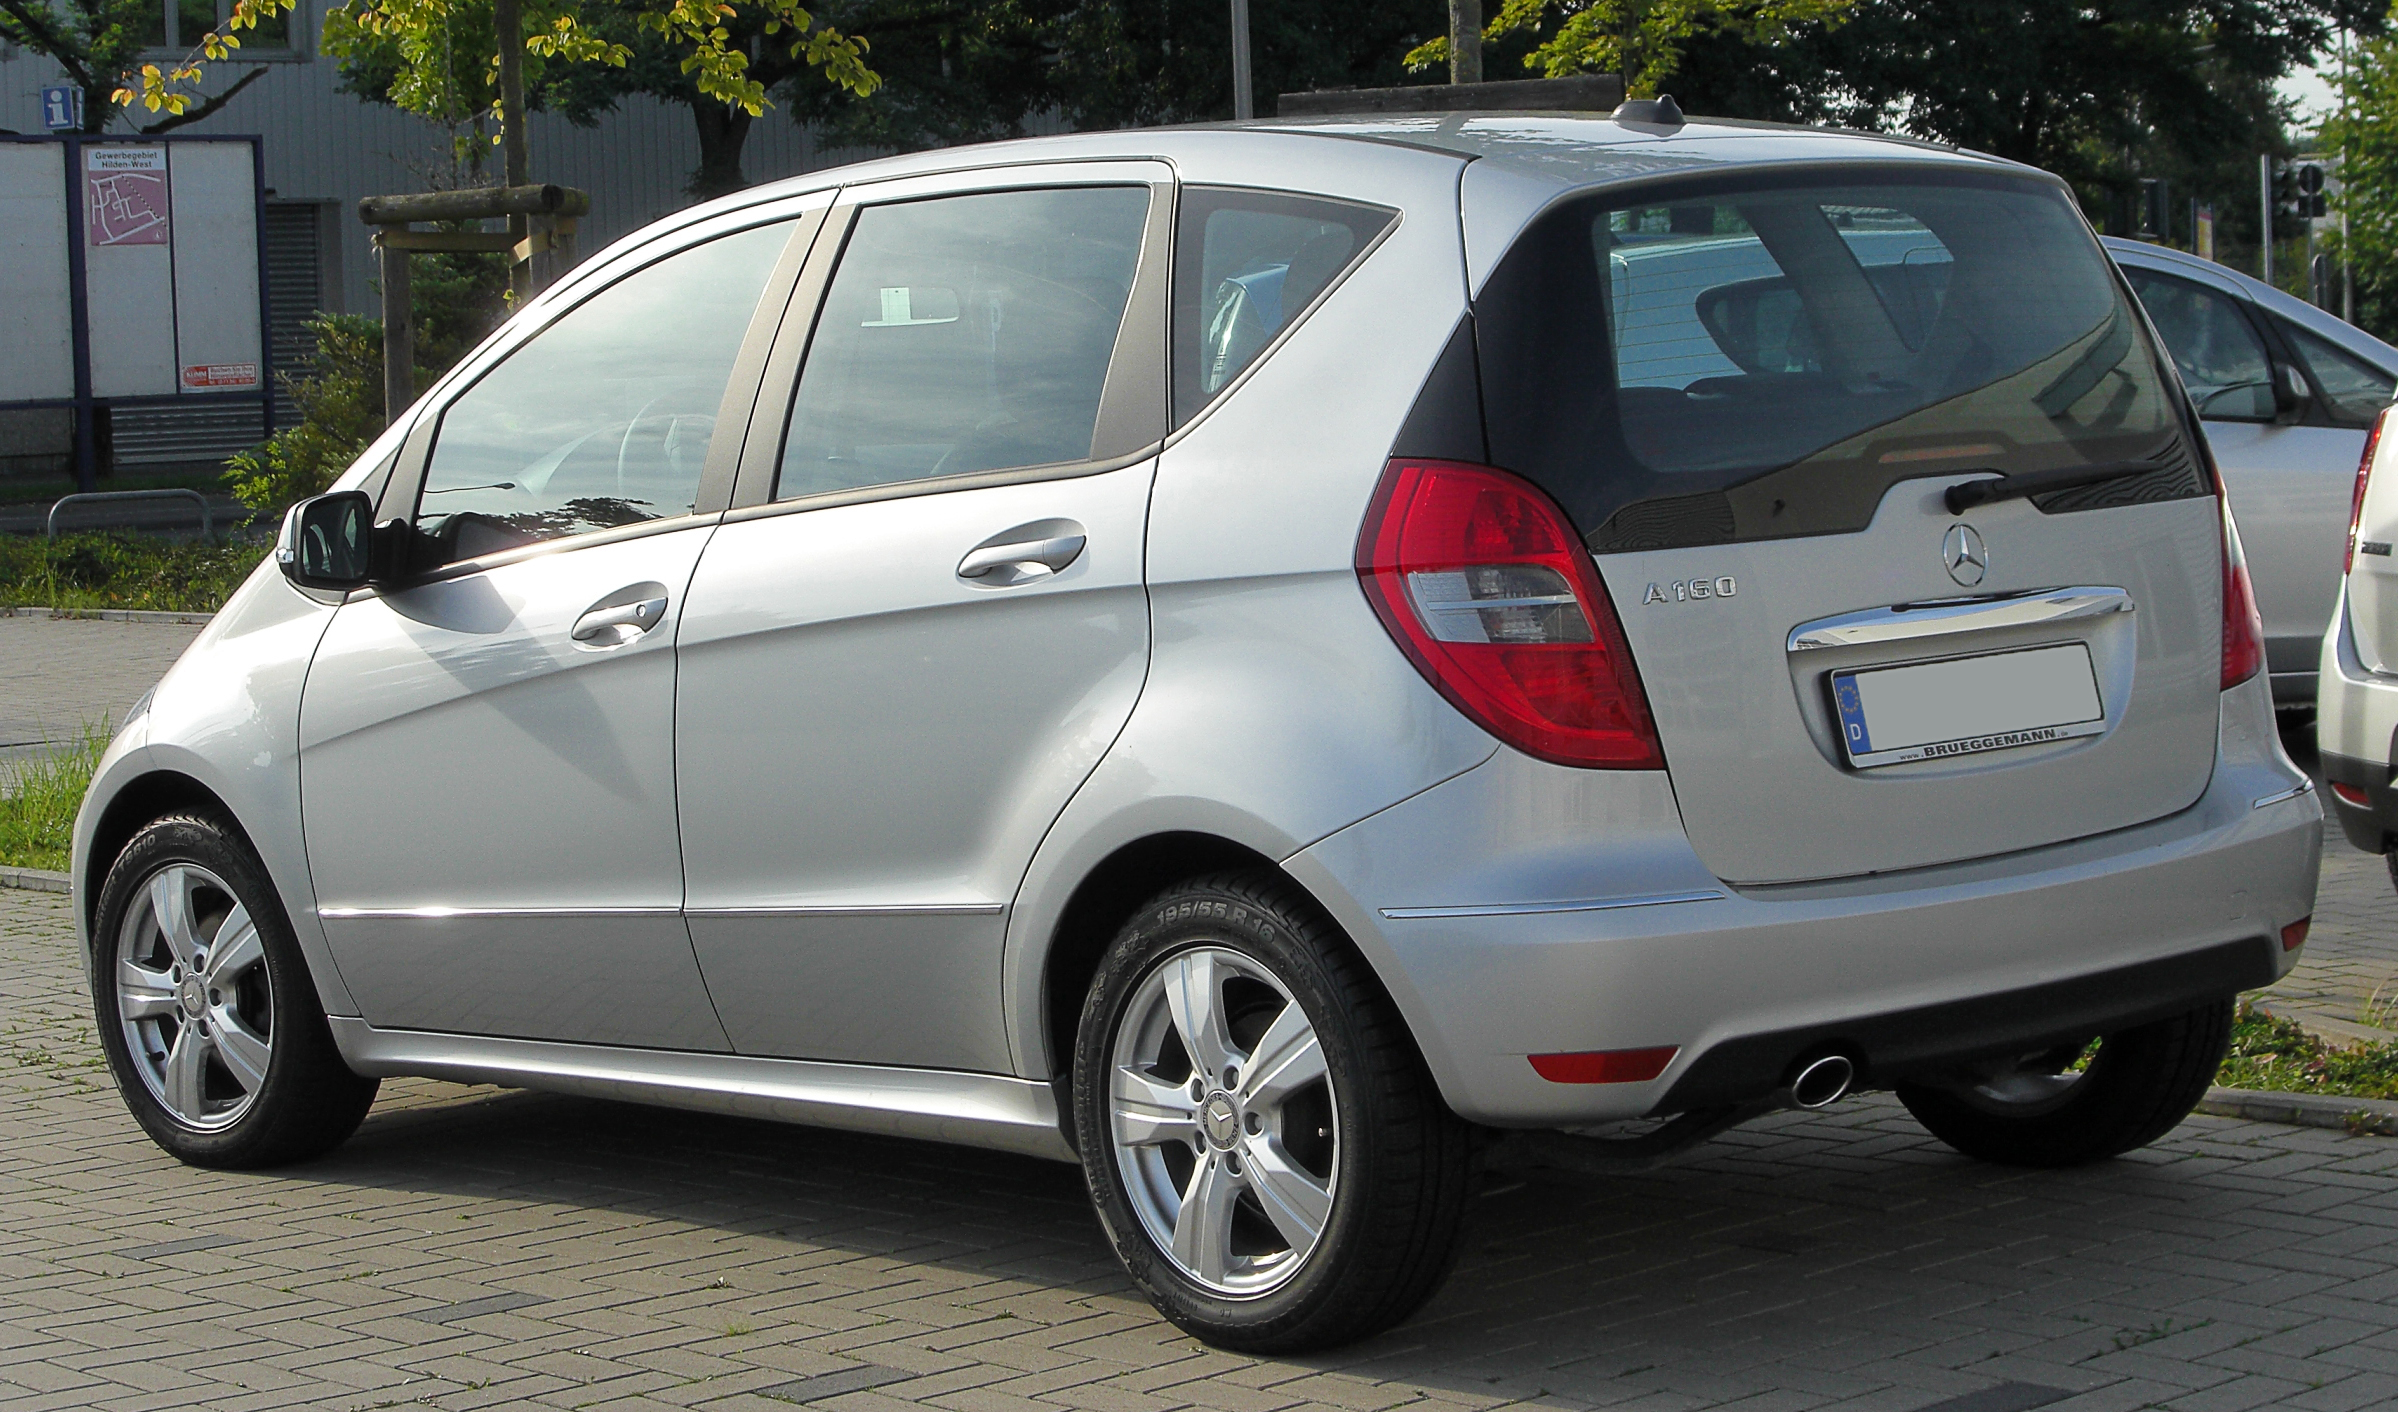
<point x="1247" y="264"/>
<point x="2222" y="361"/>
<point x="2356" y="390"/>
<point x="962" y="334"/>
<point x="603" y="419"/>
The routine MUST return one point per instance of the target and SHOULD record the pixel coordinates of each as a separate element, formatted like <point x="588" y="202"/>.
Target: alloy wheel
<point x="1222" y="1120"/>
<point x="194" y="997"/>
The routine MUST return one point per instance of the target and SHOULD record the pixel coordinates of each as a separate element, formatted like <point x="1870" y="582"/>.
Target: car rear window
<point x="1766" y="361"/>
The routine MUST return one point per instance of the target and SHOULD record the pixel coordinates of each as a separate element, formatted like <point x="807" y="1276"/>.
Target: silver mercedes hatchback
<point x="1278" y="663"/>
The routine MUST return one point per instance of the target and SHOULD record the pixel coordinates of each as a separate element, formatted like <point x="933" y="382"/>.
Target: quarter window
<point x="2357" y="391"/>
<point x="603" y="419"/>
<point x="964" y="334"/>
<point x="1248" y="264"/>
<point x="2222" y="361"/>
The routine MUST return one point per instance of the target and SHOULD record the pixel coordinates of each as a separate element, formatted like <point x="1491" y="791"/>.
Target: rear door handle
<point x="615" y="624"/>
<point x="1039" y="550"/>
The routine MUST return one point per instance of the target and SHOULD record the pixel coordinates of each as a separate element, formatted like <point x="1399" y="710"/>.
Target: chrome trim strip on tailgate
<point x="1904" y="621"/>
<point x="1533" y="909"/>
<point x="978" y="1110"/>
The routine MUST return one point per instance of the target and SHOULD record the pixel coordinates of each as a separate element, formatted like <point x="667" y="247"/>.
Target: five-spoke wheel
<point x="1258" y="1132"/>
<point x="194" y="996"/>
<point x="1223" y="1120"/>
<point x="207" y="1013"/>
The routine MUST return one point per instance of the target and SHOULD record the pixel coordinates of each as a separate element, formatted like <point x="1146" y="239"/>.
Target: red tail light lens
<point x="1488" y="590"/>
<point x="2364" y="477"/>
<point x="1604" y="1066"/>
<point x="2243" y="630"/>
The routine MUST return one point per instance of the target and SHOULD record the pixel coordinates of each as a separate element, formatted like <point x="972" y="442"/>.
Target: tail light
<point x="2364" y="477"/>
<point x="2243" y="630"/>
<point x="1488" y="590"/>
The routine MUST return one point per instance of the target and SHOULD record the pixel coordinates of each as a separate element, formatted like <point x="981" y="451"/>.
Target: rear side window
<point x="962" y="334"/>
<point x="2222" y="360"/>
<point x="2356" y="390"/>
<point x="1247" y="266"/>
<point x="1760" y="363"/>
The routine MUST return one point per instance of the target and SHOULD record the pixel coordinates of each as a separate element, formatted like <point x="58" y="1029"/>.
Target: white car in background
<point x="2287" y="393"/>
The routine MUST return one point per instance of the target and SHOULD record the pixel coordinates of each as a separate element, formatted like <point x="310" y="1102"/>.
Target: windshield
<point x="1760" y="363"/>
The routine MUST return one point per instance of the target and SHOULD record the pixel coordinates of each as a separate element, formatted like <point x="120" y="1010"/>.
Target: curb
<point x="36" y="880"/>
<point x="2359" y="1116"/>
<point x="111" y="615"/>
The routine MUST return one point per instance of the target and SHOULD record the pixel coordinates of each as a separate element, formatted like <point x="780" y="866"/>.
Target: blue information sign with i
<point x="62" y="108"/>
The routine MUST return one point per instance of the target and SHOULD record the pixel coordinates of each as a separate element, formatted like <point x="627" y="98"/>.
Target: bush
<point x="454" y="300"/>
<point x="121" y="570"/>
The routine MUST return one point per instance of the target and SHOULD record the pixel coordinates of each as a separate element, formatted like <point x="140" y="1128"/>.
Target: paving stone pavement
<point x="58" y="675"/>
<point x="479" y="1248"/>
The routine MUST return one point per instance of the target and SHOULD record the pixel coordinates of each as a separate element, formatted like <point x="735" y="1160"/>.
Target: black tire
<point x="2139" y="1084"/>
<point x="303" y="1100"/>
<point x="1395" y="1160"/>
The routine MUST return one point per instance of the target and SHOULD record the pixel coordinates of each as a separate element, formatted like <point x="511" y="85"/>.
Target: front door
<point x="901" y="660"/>
<point x="487" y="750"/>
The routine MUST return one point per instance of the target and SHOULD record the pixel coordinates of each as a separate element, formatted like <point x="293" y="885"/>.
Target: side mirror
<point x="2290" y="393"/>
<point x="328" y="541"/>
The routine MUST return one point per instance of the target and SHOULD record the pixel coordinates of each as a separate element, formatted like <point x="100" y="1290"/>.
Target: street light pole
<point x="2264" y="184"/>
<point x="1244" y="99"/>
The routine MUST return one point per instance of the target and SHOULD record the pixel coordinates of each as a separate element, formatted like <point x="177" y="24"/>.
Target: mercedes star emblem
<point x="1965" y="554"/>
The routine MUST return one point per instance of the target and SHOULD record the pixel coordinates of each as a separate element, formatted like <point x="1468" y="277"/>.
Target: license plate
<point x="1967" y="705"/>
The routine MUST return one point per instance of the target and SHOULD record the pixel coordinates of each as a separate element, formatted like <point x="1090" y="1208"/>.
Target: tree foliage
<point x="1642" y="40"/>
<point x="98" y="45"/>
<point x="2365" y="136"/>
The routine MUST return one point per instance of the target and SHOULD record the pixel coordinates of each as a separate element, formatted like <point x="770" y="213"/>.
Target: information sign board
<point x="62" y="107"/>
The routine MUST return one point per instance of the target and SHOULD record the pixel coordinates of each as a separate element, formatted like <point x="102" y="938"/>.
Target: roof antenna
<point x="1660" y="111"/>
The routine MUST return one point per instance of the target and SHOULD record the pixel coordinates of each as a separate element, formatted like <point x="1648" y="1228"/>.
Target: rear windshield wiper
<point x="1964" y="495"/>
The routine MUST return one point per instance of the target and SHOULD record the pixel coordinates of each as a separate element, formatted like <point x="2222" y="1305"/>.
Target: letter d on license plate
<point x="1967" y="705"/>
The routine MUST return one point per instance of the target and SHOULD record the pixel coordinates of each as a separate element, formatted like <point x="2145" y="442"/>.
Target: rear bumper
<point x="2356" y="718"/>
<point x="1525" y="909"/>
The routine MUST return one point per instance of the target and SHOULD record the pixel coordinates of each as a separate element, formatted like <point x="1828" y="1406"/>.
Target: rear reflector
<point x="2293" y="936"/>
<point x="2350" y="794"/>
<point x="1605" y="1066"/>
<point x="1486" y="587"/>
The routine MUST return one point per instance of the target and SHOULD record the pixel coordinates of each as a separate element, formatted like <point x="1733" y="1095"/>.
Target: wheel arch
<point x="152" y="795"/>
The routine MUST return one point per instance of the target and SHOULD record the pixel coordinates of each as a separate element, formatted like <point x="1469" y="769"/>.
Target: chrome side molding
<point x="2303" y="787"/>
<point x="1534" y="909"/>
<point x="1904" y="621"/>
<point x="940" y="1105"/>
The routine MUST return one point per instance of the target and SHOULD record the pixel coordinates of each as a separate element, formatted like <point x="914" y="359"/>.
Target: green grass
<point x="38" y="800"/>
<point x="2278" y="1056"/>
<point x="121" y="570"/>
<point x="40" y="490"/>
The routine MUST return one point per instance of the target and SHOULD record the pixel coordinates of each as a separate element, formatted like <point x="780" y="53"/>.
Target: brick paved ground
<point x="58" y="675"/>
<point x="474" y="1248"/>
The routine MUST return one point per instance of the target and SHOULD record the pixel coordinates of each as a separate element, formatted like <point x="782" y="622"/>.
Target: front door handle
<point x="615" y="624"/>
<point x="1039" y="550"/>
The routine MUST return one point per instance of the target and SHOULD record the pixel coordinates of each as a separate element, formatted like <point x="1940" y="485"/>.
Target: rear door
<point x="923" y="621"/>
<point x="1752" y="398"/>
<point x="2288" y="468"/>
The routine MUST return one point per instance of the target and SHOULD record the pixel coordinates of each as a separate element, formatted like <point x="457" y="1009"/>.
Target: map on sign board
<point x="125" y="195"/>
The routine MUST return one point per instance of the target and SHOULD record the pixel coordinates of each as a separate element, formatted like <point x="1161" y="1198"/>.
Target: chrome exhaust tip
<point x="1823" y="1082"/>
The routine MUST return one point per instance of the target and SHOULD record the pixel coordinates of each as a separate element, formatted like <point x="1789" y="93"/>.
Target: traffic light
<point x="2298" y="190"/>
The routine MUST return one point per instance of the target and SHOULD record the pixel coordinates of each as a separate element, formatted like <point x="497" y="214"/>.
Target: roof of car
<point x="1568" y="149"/>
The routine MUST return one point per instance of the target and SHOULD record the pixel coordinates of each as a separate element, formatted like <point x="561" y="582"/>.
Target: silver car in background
<point x="2286" y="392"/>
<point x="1265" y="661"/>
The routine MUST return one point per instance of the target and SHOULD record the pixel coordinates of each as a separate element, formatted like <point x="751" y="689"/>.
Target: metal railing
<point x="207" y="518"/>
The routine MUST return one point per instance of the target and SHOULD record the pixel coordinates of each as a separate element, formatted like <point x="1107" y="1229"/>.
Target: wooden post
<point x="515" y="160"/>
<point x="399" y="332"/>
<point x="1465" y="41"/>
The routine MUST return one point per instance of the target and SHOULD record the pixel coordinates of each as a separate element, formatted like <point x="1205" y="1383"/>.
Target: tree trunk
<point x="723" y="129"/>
<point x="1465" y="41"/>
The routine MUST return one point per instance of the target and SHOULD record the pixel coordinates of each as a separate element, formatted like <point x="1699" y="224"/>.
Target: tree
<point x="2365" y="135"/>
<point x="97" y="44"/>
<point x="1641" y="40"/>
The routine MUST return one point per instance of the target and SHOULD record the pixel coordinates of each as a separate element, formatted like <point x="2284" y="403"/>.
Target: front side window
<point x="2356" y="390"/>
<point x="1762" y="363"/>
<point x="1247" y="265"/>
<point x="603" y="418"/>
<point x="2222" y="360"/>
<point x="963" y="334"/>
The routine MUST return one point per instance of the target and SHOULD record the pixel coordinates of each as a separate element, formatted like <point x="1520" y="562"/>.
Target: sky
<point x="2312" y="91"/>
